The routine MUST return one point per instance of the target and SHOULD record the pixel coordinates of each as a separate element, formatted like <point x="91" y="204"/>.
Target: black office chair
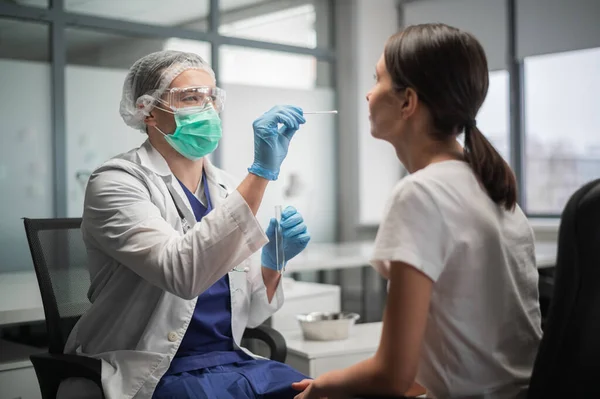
<point x="59" y="257"/>
<point x="568" y="359"/>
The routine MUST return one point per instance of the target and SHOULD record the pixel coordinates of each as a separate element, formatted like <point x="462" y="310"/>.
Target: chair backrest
<point x="568" y="360"/>
<point x="59" y="257"/>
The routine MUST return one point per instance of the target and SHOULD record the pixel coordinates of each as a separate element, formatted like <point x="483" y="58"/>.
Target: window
<point x="272" y="68"/>
<point x="181" y="13"/>
<point x="305" y="24"/>
<point x="493" y="117"/>
<point x="562" y="127"/>
<point x="26" y="177"/>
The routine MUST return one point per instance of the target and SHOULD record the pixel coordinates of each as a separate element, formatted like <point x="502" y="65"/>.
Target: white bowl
<point x="322" y="326"/>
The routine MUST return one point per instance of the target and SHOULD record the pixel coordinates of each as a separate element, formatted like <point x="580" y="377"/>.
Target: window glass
<point x="562" y="127"/>
<point x="301" y="23"/>
<point x="272" y="68"/>
<point x="493" y="117"/>
<point x="181" y="13"/>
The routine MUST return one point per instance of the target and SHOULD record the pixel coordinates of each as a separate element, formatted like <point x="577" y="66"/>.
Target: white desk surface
<point x="20" y="299"/>
<point x="363" y="338"/>
<point x="21" y="302"/>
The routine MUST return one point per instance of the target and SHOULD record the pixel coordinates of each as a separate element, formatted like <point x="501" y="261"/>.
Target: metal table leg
<point x="338" y="281"/>
<point x="364" y="294"/>
<point x="321" y="276"/>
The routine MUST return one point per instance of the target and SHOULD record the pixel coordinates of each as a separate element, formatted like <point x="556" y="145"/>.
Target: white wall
<point x="379" y="168"/>
<point x="310" y="157"/>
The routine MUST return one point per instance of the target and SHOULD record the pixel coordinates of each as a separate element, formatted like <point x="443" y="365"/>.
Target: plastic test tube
<point x="279" y="255"/>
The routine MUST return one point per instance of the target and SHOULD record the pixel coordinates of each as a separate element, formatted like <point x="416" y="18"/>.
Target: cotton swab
<point x="320" y="112"/>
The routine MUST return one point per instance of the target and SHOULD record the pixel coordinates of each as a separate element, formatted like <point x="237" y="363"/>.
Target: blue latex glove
<point x="271" y="141"/>
<point x="295" y="237"/>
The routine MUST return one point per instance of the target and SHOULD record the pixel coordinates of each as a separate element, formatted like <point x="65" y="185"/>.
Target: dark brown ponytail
<point x="447" y="67"/>
<point x="490" y="168"/>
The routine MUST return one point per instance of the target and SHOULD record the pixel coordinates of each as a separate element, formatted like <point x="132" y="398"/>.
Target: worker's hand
<point x="271" y="141"/>
<point x="295" y="237"/>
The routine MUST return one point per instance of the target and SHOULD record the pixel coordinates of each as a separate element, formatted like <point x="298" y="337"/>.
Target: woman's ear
<point x="409" y="102"/>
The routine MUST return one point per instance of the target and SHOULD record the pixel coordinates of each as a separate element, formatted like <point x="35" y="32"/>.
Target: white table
<point x="314" y="358"/>
<point x="20" y="300"/>
<point x="20" y="297"/>
<point x="304" y="297"/>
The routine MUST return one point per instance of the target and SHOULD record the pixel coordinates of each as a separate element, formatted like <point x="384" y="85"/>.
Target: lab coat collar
<point x="215" y="176"/>
<point x="153" y="160"/>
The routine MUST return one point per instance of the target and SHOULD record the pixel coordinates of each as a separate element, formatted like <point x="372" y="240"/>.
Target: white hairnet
<point x="148" y="79"/>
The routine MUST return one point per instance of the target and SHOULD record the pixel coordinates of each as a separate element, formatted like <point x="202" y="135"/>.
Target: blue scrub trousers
<point x="249" y="379"/>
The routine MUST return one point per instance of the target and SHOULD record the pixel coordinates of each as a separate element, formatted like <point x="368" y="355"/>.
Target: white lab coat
<point x="146" y="274"/>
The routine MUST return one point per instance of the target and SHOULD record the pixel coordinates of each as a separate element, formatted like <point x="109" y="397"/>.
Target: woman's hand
<point x="308" y="390"/>
<point x="322" y="387"/>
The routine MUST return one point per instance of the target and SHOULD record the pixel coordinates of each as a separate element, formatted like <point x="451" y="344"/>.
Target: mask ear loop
<point x="166" y="110"/>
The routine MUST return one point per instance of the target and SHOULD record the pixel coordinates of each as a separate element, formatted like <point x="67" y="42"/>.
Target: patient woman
<point x="462" y="316"/>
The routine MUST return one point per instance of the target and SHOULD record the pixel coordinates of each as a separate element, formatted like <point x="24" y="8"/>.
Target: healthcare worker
<point x="169" y="238"/>
<point x="462" y="315"/>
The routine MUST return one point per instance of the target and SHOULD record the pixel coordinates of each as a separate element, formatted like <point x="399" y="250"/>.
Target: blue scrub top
<point x="208" y="340"/>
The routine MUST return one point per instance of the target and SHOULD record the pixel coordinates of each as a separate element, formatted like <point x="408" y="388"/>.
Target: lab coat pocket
<point x="238" y="285"/>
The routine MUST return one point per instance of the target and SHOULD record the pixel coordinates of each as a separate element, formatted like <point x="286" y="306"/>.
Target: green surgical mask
<point x="197" y="133"/>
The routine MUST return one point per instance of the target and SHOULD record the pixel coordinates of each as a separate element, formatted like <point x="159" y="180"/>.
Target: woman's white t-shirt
<point x="483" y="328"/>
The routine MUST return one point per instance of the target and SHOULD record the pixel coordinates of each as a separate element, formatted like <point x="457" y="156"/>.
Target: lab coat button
<point x="172" y="336"/>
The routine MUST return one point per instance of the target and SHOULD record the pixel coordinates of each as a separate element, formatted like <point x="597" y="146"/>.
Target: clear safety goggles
<point x="199" y="97"/>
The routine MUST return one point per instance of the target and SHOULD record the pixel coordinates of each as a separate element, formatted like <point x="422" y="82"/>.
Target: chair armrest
<point x="51" y="369"/>
<point x="272" y="338"/>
